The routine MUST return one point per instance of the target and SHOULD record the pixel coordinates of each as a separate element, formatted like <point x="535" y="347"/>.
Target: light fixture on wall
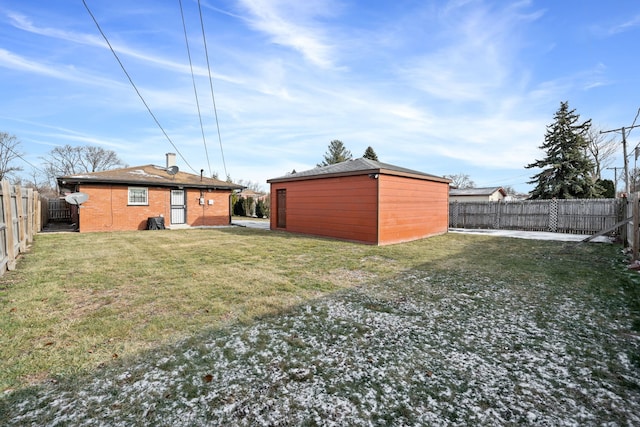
<point x="373" y="175"/>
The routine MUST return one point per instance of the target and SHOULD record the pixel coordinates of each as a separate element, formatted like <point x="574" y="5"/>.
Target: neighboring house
<point x="255" y="195"/>
<point x="125" y="199"/>
<point x="361" y="200"/>
<point x="486" y="194"/>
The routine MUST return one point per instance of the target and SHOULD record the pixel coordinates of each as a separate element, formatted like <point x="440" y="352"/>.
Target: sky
<point x="442" y="87"/>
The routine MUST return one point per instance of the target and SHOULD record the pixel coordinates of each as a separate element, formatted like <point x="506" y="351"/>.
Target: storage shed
<point x="361" y="200"/>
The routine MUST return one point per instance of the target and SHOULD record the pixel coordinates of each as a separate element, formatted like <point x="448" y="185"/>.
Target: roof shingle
<point x="149" y="175"/>
<point x="356" y="167"/>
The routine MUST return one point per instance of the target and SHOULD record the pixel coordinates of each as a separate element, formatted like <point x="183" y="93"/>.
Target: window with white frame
<point x="138" y="196"/>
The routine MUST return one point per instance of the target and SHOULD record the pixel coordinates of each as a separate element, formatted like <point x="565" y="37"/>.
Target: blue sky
<point x="443" y="87"/>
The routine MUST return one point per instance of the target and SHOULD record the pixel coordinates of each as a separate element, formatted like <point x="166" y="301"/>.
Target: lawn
<point x="248" y="327"/>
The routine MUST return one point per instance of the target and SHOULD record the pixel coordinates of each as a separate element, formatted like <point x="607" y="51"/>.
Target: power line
<point x="624" y="132"/>
<point x="20" y="156"/>
<point x="195" y="91"/>
<point x="134" y="85"/>
<point x="215" y="110"/>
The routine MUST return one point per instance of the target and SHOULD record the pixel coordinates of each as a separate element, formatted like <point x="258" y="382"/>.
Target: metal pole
<point x="626" y="161"/>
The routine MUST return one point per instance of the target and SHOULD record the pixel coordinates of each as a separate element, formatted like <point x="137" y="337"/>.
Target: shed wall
<point x="107" y="208"/>
<point x="412" y="209"/>
<point x="340" y="207"/>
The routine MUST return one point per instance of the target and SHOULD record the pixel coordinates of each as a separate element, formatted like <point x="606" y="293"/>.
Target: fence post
<point x="496" y="217"/>
<point x="553" y="215"/>
<point x="22" y="237"/>
<point x="8" y="220"/>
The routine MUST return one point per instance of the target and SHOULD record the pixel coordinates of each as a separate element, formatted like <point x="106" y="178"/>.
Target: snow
<point x="535" y="235"/>
<point x="141" y="172"/>
<point x="420" y="349"/>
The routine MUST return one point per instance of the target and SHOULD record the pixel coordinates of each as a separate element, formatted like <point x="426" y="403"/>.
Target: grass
<point x="80" y="300"/>
<point x="244" y="327"/>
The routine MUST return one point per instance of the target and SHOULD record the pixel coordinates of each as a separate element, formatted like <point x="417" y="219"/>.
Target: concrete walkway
<point x="536" y="235"/>
<point x="263" y="225"/>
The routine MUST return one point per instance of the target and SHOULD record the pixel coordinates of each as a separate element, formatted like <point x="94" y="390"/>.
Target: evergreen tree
<point x="608" y="188"/>
<point x="337" y="153"/>
<point x="370" y="154"/>
<point x="567" y="171"/>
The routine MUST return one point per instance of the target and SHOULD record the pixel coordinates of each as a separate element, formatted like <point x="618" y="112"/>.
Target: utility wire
<point x="134" y="85"/>
<point x="195" y="91"/>
<point x="215" y="110"/>
<point x="15" y="153"/>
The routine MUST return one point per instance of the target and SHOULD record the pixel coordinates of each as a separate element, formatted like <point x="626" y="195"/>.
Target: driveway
<point x="263" y="225"/>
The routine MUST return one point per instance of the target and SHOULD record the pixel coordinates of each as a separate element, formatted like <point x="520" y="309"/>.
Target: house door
<point x="178" y="207"/>
<point x="281" y="208"/>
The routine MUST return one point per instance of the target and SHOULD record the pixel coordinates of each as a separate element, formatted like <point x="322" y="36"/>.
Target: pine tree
<point x="566" y="170"/>
<point x="337" y="153"/>
<point x="370" y="154"/>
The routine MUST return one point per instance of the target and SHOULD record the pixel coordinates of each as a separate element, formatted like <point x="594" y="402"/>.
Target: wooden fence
<point x="575" y="216"/>
<point x="20" y="220"/>
<point x="58" y="210"/>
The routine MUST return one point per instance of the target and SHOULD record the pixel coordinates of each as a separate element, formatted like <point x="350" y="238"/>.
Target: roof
<point x="359" y="166"/>
<point x="148" y="175"/>
<point x="482" y="191"/>
<point x="247" y="192"/>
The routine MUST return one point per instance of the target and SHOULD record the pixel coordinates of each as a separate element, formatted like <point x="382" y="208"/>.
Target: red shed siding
<point x="343" y="208"/>
<point x="411" y="209"/>
<point x="107" y="208"/>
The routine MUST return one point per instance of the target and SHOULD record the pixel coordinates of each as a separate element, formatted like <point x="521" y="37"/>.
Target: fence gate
<point x="59" y="210"/>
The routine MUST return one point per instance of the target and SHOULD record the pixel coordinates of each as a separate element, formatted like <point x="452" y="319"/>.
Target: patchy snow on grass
<point x="422" y="349"/>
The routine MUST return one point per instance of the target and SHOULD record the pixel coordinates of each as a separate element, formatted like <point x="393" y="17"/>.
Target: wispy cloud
<point x="23" y="23"/>
<point x="292" y="24"/>
<point x="476" y="53"/>
<point x="628" y="25"/>
<point x="69" y="73"/>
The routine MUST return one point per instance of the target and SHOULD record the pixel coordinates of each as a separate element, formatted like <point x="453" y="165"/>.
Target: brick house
<point x="361" y="200"/>
<point x="125" y="199"/>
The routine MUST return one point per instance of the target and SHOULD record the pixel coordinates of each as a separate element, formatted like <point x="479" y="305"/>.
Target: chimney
<point x="171" y="159"/>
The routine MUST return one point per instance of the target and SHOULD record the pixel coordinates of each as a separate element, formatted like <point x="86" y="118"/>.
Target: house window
<point x="138" y="196"/>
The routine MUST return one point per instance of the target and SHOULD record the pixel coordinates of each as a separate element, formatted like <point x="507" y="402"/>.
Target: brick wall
<point x="107" y="208"/>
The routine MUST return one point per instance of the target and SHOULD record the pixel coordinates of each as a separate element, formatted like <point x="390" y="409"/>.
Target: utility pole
<point x="623" y="130"/>
<point x="615" y="176"/>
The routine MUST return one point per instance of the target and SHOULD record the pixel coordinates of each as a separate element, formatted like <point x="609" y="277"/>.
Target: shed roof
<point x="148" y="175"/>
<point x="359" y="166"/>
<point x="481" y="191"/>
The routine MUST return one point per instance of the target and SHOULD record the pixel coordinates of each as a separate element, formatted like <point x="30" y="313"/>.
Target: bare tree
<point x="461" y="180"/>
<point x="9" y="146"/>
<point x="601" y="149"/>
<point x="68" y="160"/>
<point x="251" y="185"/>
<point x="634" y="180"/>
<point x="509" y="190"/>
<point x="96" y="159"/>
<point x="38" y="181"/>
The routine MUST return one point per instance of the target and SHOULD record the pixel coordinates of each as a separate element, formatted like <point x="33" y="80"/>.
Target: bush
<point x="262" y="209"/>
<point x="238" y="207"/>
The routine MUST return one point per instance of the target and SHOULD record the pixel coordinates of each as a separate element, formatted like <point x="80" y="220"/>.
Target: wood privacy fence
<point x="56" y="210"/>
<point x="20" y="220"/>
<point x="574" y="216"/>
